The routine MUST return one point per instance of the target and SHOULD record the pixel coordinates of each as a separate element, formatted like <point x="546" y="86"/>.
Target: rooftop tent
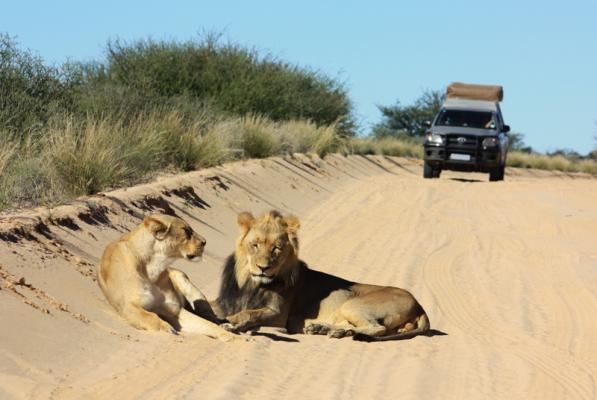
<point x="471" y="91"/>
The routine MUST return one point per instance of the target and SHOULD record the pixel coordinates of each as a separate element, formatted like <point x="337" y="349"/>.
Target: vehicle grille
<point x="464" y="142"/>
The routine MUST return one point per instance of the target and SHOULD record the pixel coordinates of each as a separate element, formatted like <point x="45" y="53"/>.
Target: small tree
<point x="409" y="120"/>
<point x="30" y="91"/>
<point x="516" y="143"/>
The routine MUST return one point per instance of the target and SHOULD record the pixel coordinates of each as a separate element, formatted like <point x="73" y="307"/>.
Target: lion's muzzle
<point x="194" y="250"/>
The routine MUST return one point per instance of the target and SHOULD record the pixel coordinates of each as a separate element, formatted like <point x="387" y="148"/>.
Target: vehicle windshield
<point x="470" y="119"/>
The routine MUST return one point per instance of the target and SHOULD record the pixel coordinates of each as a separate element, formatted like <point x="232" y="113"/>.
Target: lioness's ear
<point x="158" y="229"/>
<point x="292" y="224"/>
<point x="245" y="221"/>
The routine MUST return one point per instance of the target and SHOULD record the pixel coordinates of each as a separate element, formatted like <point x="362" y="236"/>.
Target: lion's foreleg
<point x="190" y="323"/>
<point x="192" y="294"/>
<point x="184" y="286"/>
<point x="248" y="319"/>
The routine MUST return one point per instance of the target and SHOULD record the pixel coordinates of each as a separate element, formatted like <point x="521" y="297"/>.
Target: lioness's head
<point x="174" y="237"/>
<point x="267" y="248"/>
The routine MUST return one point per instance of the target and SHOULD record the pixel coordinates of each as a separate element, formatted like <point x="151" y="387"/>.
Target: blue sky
<point x="543" y="53"/>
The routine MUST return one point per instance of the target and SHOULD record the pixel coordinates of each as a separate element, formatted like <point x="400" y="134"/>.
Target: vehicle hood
<point x="461" y="130"/>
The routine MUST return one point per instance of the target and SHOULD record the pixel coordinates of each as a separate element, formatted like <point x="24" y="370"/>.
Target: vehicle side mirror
<point x="506" y="128"/>
<point x="427" y="124"/>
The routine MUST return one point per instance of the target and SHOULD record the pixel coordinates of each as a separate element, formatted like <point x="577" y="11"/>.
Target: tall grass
<point x="257" y="137"/>
<point x="304" y="136"/>
<point x="385" y="146"/>
<point x="76" y="157"/>
<point x="550" y="163"/>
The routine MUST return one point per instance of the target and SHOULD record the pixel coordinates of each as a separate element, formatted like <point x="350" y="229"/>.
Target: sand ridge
<point x="507" y="272"/>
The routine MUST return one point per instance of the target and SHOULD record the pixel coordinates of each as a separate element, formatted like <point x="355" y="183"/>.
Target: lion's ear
<point x="292" y="224"/>
<point x="245" y="221"/>
<point x="158" y="229"/>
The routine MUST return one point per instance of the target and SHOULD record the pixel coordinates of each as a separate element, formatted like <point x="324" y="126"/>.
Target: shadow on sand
<point x="274" y="337"/>
<point x="466" y="180"/>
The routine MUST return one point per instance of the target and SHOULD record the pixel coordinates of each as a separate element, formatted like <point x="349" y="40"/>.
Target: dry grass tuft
<point x="550" y="163"/>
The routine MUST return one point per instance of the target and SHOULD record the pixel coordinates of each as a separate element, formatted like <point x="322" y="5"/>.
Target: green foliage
<point x="516" y="143"/>
<point x="567" y="153"/>
<point x="152" y="106"/>
<point x="229" y="77"/>
<point x="30" y="92"/>
<point x="408" y="121"/>
<point x="146" y="75"/>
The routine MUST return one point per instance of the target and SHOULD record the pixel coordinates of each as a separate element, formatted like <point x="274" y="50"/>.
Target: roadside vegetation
<point x="165" y="106"/>
<point x="154" y="106"/>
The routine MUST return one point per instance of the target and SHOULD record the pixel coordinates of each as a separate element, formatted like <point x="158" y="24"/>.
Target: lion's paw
<point x="229" y="327"/>
<point x="166" y="327"/>
<point x="316" y="329"/>
<point x="340" y="333"/>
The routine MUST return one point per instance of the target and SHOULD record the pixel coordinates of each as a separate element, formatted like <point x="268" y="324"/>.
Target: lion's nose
<point x="263" y="268"/>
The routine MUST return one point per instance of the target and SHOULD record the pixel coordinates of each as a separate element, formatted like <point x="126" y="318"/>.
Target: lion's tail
<point x="422" y="327"/>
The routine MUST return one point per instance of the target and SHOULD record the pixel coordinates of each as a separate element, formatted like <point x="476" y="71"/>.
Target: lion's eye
<point x="255" y="246"/>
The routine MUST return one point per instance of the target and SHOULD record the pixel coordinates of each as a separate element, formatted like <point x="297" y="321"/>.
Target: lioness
<point x="136" y="280"/>
<point x="265" y="283"/>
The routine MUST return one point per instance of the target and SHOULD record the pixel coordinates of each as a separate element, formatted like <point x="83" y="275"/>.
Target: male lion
<point x="264" y="283"/>
<point x="136" y="280"/>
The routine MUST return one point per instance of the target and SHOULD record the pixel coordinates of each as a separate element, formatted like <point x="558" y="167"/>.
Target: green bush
<point x="228" y="77"/>
<point x="31" y="93"/>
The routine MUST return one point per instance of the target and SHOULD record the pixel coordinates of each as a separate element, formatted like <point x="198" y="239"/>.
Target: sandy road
<point x="506" y="271"/>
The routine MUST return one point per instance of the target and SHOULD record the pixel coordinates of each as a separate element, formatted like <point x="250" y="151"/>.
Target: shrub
<point x="303" y="136"/>
<point x="229" y="77"/>
<point x="30" y="92"/>
<point x="258" y="137"/>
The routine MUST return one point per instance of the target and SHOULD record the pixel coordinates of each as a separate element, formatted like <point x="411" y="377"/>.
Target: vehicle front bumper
<point x="479" y="159"/>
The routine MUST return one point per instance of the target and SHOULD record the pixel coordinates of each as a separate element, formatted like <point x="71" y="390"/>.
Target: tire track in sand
<point x="572" y="376"/>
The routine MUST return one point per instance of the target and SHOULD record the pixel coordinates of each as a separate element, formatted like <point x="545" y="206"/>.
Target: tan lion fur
<point x="265" y="283"/>
<point x="135" y="277"/>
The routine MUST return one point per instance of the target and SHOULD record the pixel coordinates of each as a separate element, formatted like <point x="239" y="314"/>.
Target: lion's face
<point x="175" y="237"/>
<point x="267" y="246"/>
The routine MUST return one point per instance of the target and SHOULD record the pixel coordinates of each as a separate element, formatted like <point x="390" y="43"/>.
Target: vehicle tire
<point x="427" y="170"/>
<point x="437" y="173"/>
<point x="497" y="174"/>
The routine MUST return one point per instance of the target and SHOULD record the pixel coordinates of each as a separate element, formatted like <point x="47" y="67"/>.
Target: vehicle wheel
<point x="437" y="173"/>
<point x="497" y="174"/>
<point x="427" y="170"/>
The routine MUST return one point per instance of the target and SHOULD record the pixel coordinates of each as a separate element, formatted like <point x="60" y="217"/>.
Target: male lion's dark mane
<point x="234" y="298"/>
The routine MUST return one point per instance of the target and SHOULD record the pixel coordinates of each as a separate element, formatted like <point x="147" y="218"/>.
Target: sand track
<point x="507" y="272"/>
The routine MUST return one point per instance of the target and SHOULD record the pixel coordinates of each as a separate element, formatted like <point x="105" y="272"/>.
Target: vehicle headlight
<point x="490" y="142"/>
<point x="434" y="138"/>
